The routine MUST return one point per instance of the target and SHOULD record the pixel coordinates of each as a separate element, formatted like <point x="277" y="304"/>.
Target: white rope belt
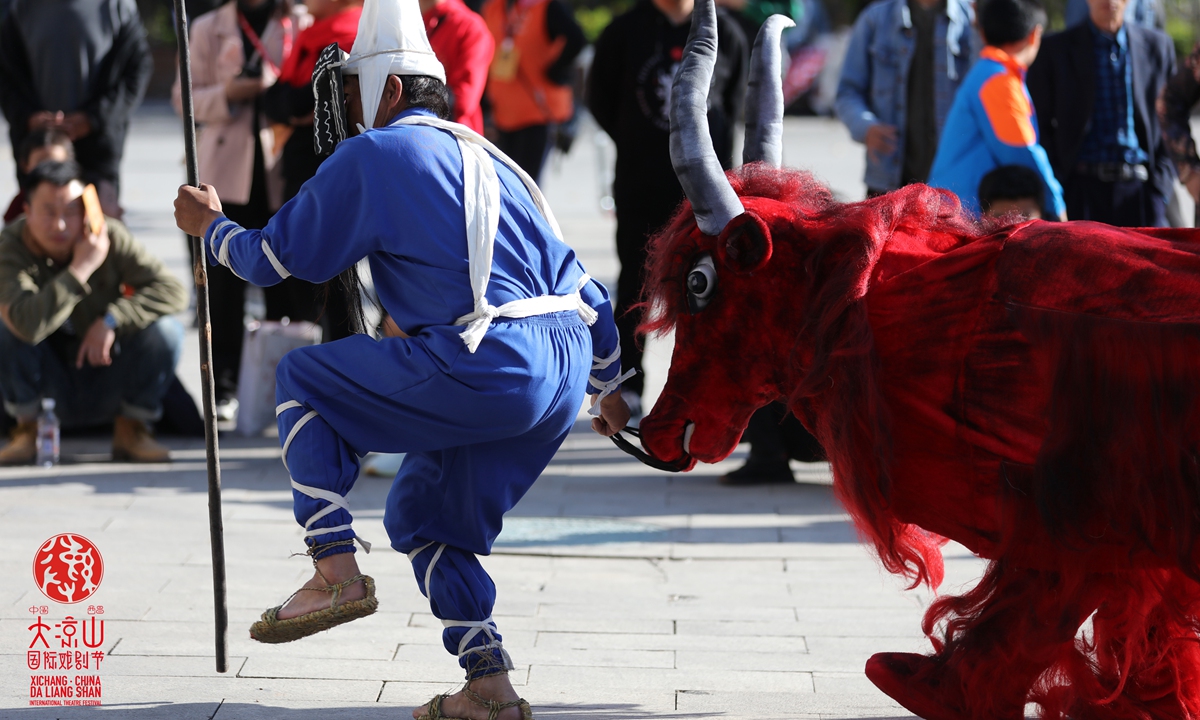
<point x="479" y="321"/>
<point x="335" y="501"/>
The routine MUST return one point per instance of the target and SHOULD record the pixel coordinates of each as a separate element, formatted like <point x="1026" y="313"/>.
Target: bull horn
<point x="696" y="165"/>
<point x="764" y="96"/>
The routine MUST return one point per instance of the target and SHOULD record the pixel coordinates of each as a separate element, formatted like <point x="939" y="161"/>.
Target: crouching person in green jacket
<point x="86" y="321"/>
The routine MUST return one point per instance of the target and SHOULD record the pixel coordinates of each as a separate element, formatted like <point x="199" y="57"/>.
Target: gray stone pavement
<point x="623" y="592"/>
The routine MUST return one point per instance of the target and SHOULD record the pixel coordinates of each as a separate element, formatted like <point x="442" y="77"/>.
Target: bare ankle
<point x="337" y="568"/>
<point x="493" y="687"/>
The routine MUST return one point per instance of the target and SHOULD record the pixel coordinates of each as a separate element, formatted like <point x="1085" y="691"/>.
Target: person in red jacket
<point x="288" y="104"/>
<point x="462" y="43"/>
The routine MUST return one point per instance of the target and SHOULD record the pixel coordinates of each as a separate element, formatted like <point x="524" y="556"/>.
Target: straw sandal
<point x="270" y="629"/>
<point x="493" y="707"/>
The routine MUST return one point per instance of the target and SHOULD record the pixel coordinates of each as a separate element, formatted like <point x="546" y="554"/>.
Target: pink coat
<point x="225" y="143"/>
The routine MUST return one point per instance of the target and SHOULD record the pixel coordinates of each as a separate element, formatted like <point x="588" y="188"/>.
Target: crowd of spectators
<point x="1077" y="107"/>
<point x="71" y="337"/>
<point x="1088" y="123"/>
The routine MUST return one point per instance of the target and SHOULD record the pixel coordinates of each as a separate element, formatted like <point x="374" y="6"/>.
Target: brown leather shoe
<point x="132" y="441"/>
<point x="22" y="445"/>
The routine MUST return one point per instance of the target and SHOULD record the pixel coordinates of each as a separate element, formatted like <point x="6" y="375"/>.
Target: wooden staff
<point x="199" y="272"/>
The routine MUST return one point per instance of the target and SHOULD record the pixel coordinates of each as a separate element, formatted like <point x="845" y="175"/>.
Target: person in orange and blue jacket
<point x="992" y="122"/>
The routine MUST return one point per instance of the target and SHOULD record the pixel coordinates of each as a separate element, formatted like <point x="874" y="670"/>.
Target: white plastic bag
<point x="265" y="344"/>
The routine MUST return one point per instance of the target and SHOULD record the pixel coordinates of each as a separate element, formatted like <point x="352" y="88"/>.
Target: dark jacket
<point x="635" y="62"/>
<point x="120" y="80"/>
<point x="1062" y="83"/>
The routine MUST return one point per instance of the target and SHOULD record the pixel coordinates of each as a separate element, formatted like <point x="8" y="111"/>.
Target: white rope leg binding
<point x="486" y="626"/>
<point x="437" y="555"/>
<point x="335" y="501"/>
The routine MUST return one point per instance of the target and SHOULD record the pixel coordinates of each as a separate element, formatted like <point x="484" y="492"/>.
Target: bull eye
<point x="701" y="284"/>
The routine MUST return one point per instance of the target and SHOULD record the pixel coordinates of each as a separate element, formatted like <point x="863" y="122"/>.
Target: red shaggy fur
<point x="1078" y="418"/>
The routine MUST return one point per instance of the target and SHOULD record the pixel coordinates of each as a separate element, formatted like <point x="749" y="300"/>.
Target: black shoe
<point x="759" y="471"/>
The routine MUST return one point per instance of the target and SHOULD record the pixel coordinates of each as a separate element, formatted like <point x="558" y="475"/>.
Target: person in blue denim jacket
<point x="903" y="66"/>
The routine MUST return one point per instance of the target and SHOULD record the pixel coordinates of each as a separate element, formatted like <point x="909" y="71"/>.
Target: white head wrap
<point x="391" y="41"/>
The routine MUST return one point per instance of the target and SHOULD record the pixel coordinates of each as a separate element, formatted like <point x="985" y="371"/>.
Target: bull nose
<point x="687" y="437"/>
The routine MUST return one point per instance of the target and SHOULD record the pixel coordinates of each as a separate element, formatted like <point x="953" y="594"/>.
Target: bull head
<point x="713" y="387"/>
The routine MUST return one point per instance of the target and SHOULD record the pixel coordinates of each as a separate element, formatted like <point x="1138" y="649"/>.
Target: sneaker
<point x="227" y="410"/>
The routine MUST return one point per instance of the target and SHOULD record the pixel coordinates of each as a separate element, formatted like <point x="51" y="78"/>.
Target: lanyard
<point x="514" y="19"/>
<point x="286" y="22"/>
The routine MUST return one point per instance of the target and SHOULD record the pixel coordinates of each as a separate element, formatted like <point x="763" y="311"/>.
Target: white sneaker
<point x="227" y="410"/>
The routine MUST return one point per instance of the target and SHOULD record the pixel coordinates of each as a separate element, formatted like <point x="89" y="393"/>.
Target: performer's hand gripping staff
<point x="200" y="274"/>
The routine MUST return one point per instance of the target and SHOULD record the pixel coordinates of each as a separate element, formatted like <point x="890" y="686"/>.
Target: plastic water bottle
<point x="47" y="435"/>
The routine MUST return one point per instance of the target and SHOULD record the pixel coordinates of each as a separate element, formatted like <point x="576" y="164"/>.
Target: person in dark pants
<point x="288" y="105"/>
<point x="233" y="146"/>
<point x="79" y="66"/>
<point x="1094" y="88"/>
<point x="775" y="436"/>
<point x="628" y="88"/>
<point x="529" y="82"/>
<point x="904" y="64"/>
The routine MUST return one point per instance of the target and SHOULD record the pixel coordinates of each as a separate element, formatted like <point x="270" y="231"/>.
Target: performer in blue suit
<point x="502" y="332"/>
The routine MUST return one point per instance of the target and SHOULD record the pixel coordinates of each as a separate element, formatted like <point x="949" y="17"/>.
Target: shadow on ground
<point x="591" y="494"/>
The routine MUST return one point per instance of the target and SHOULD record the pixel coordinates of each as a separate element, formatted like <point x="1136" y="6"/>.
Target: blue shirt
<point x="1112" y="137"/>
<point x="395" y="196"/>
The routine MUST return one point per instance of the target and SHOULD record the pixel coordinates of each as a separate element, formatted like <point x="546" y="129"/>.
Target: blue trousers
<point x="143" y="365"/>
<point x="477" y="429"/>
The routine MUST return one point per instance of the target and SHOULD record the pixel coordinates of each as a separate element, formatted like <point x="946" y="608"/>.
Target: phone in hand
<point x="92" y="212"/>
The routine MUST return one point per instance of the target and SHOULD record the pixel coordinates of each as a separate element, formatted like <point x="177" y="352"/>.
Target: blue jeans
<point x="143" y="365"/>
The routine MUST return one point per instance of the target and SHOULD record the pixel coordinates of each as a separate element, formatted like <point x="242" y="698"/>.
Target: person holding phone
<point x="86" y="319"/>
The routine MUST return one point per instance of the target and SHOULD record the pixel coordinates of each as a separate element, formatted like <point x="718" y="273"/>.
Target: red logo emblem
<point x="68" y="568"/>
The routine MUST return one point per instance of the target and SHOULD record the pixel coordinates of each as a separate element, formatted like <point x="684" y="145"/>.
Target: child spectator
<point x="84" y="319"/>
<point x="37" y="147"/>
<point x="992" y="122"/>
<point x="1012" y="189"/>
